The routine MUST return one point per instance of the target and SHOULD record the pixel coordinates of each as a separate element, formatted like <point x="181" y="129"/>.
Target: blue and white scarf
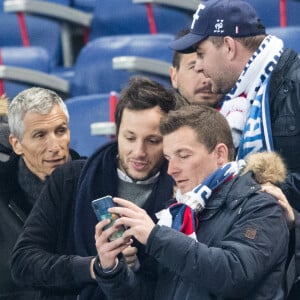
<point x="246" y="106"/>
<point x="182" y="215"/>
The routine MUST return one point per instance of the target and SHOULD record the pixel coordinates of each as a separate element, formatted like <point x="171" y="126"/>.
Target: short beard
<point x="152" y="172"/>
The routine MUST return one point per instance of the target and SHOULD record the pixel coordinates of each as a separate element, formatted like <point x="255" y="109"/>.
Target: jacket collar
<point x="231" y="194"/>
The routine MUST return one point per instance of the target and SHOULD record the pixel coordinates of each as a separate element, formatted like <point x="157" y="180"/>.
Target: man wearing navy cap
<point x="261" y="81"/>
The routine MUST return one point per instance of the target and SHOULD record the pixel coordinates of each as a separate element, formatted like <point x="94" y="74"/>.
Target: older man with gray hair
<point x="39" y="135"/>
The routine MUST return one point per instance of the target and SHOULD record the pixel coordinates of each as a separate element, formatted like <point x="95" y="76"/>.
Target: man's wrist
<point x="92" y="267"/>
<point x="106" y="270"/>
<point x="109" y="270"/>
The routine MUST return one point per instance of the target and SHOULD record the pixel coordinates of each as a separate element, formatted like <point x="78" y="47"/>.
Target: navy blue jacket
<point x="241" y="253"/>
<point x="285" y="122"/>
<point x="285" y="119"/>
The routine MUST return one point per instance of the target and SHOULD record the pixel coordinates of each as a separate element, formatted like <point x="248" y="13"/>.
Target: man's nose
<point x="53" y="143"/>
<point x="172" y="168"/>
<point x="139" y="148"/>
<point x="198" y="66"/>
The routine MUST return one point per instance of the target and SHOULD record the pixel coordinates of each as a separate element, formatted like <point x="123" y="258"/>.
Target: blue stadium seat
<point x="94" y="72"/>
<point x="116" y="17"/>
<point x="85" y="110"/>
<point x="46" y="25"/>
<point x="292" y="12"/>
<point x="62" y="2"/>
<point x="269" y="11"/>
<point x="41" y="32"/>
<point x="290" y="36"/>
<point x="105" y="18"/>
<point x="23" y="67"/>
<point x="32" y="58"/>
<point x="85" y="5"/>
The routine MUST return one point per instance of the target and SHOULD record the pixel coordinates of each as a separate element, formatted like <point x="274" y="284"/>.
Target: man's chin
<point x="139" y="176"/>
<point x="55" y="165"/>
<point x="209" y="101"/>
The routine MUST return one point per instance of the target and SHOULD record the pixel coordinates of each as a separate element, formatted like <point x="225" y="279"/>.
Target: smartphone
<point x="100" y="207"/>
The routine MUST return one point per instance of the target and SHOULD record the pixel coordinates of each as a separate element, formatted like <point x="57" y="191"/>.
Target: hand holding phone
<point x="100" y="207"/>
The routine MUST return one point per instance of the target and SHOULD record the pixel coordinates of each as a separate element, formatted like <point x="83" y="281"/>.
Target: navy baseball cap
<point x="235" y="18"/>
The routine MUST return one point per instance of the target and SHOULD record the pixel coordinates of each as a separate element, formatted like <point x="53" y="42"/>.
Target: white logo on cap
<point x="219" y="26"/>
<point x="196" y="14"/>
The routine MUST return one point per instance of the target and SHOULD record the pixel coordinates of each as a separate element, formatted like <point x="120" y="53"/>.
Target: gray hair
<point x="38" y="100"/>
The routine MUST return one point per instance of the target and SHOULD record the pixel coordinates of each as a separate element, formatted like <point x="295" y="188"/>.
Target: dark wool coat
<point x="15" y="207"/>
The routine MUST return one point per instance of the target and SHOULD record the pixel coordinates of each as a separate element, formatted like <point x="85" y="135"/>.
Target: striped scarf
<point x="246" y="106"/>
<point x="182" y="215"/>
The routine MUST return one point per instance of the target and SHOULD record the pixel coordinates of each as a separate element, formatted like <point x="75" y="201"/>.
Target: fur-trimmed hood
<point x="266" y="167"/>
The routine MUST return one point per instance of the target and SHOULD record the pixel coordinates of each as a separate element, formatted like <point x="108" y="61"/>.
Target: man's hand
<point x="282" y="200"/>
<point x="130" y="254"/>
<point x="108" y="251"/>
<point x="134" y="218"/>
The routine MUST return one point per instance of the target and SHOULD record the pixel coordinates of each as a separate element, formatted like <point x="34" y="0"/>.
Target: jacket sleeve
<point x="125" y="284"/>
<point x="255" y="244"/>
<point x="43" y="255"/>
<point x="291" y="189"/>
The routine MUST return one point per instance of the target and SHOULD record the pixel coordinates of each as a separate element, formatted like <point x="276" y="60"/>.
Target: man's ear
<point x="173" y="76"/>
<point x="230" y="47"/>
<point x="16" y="145"/>
<point x="221" y="152"/>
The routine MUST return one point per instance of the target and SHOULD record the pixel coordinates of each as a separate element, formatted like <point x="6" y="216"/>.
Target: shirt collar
<point x="123" y="176"/>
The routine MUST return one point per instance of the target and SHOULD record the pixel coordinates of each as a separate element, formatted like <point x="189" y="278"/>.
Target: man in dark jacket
<point x="40" y="137"/>
<point x="227" y="238"/>
<point x="55" y="253"/>
<point x="261" y="82"/>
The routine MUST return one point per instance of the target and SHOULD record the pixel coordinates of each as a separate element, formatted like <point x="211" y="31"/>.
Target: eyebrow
<point x="62" y="124"/>
<point x="181" y="150"/>
<point x="147" y="136"/>
<point x="46" y="129"/>
<point x="192" y="63"/>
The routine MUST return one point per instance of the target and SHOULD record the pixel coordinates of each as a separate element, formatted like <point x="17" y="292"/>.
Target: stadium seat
<point x="41" y="32"/>
<point x="292" y="12"/>
<point x="61" y="15"/>
<point x="106" y="17"/>
<point x="85" y="110"/>
<point x="94" y="72"/>
<point x="290" y="36"/>
<point x="116" y="17"/>
<point x="85" y="5"/>
<point x="21" y="68"/>
<point x="269" y="11"/>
